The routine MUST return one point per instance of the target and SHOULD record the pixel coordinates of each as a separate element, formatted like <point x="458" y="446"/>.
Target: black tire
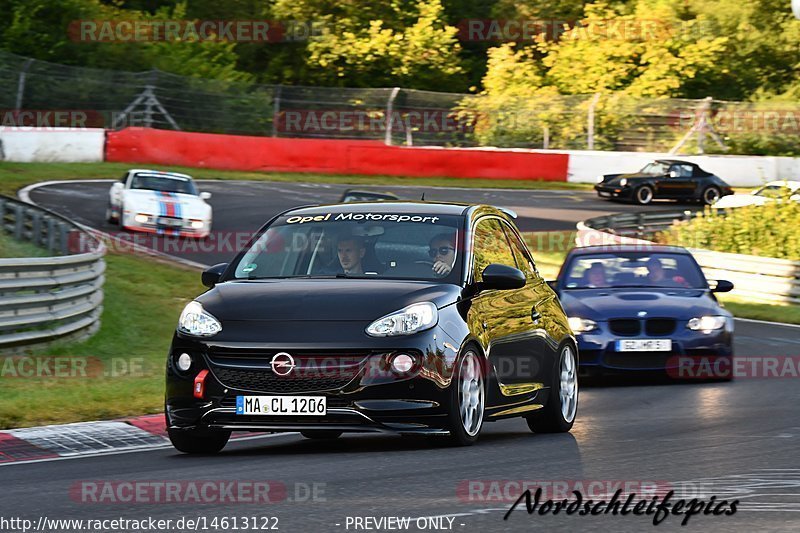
<point x="643" y="195"/>
<point x="110" y="218"/>
<point x="710" y="195"/>
<point x="459" y="435"/>
<point x="550" y="418"/>
<point x="198" y="441"/>
<point x="321" y="434"/>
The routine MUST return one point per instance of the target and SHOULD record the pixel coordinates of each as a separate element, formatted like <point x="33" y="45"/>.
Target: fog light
<point x="402" y="363"/>
<point x="184" y="362"/>
<point x="197" y="224"/>
<point x="140" y="218"/>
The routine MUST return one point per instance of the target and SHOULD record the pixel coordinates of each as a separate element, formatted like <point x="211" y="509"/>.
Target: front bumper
<point x="606" y="191"/>
<point x="598" y="349"/>
<point x="177" y="227"/>
<point x="362" y="393"/>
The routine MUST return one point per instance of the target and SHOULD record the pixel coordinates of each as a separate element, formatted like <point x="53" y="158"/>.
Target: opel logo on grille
<point x="282" y="363"/>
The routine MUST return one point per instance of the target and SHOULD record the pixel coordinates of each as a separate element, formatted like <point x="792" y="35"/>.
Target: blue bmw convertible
<point x="642" y="308"/>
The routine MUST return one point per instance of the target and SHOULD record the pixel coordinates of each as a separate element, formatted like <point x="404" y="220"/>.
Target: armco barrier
<point x="48" y="299"/>
<point x="758" y="278"/>
<point x="265" y="154"/>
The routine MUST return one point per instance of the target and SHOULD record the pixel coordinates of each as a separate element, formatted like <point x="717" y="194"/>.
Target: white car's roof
<point x="160" y="173"/>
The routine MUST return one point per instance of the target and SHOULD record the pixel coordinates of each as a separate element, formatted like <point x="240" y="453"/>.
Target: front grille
<point x="264" y="380"/>
<point x="624" y="327"/>
<point x="317" y="360"/>
<point x="660" y="326"/>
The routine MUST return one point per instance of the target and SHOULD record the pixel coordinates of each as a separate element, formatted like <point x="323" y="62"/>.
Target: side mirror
<point x="118" y="185"/>
<point x="502" y="277"/>
<point x="552" y="283"/>
<point x="211" y="276"/>
<point x="674" y="174"/>
<point x="722" y="286"/>
<point x="205" y="195"/>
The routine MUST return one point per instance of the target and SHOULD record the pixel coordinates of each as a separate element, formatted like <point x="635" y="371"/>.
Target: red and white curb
<point x="64" y="441"/>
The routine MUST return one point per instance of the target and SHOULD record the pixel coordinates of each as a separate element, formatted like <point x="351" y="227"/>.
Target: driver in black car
<point x="351" y="252"/>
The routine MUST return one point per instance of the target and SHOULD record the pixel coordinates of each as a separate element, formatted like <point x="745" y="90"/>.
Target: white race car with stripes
<point x="165" y="203"/>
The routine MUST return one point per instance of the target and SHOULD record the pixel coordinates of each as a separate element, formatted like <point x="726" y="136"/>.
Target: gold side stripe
<point x="521" y="409"/>
<point x="520" y="388"/>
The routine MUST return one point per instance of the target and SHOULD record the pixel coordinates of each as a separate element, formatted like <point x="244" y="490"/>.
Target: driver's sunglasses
<point x="441" y="250"/>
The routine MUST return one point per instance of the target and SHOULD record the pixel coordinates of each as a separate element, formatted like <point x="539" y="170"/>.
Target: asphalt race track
<point x="737" y="440"/>
<point x="242" y="207"/>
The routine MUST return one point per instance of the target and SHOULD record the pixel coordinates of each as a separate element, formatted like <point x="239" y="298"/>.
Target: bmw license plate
<point x="644" y="345"/>
<point x="281" y="405"/>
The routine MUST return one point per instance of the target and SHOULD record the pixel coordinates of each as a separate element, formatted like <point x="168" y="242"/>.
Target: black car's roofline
<point x="430" y="208"/>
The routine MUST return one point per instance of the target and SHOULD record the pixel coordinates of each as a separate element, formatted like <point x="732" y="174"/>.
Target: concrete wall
<point x="51" y="145"/>
<point x="737" y="170"/>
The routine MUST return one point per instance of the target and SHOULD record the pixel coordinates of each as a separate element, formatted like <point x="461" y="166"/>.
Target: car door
<point x="505" y="316"/>
<point x="543" y="333"/>
<point x="683" y="184"/>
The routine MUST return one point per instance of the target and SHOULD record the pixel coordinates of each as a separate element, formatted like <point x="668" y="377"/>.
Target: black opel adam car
<point x="664" y="179"/>
<point x="394" y="317"/>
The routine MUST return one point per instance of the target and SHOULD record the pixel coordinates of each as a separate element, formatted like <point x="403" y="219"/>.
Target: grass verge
<point x="117" y="372"/>
<point x="10" y="247"/>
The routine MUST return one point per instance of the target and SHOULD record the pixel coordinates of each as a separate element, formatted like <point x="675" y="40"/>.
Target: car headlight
<point x="581" y="325"/>
<point x="623" y="182"/>
<point x="412" y="319"/>
<point x="196" y="321"/>
<point x="706" y="323"/>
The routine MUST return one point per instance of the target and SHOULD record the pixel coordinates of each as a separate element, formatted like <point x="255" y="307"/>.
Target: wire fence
<point x="115" y="99"/>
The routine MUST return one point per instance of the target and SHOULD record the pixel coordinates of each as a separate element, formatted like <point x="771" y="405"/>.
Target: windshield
<point x="357" y="244"/>
<point x="634" y="269"/>
<point x="655" y="169"/>
<point x="163" y="183"/>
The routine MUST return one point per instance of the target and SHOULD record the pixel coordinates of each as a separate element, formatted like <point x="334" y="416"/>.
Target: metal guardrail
<point x="758" y="278"/>
<point x="48" y="299"/>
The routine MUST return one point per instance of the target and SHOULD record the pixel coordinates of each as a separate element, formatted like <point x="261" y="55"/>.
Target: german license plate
<point x="169" y="222"/>
<point x="281" y="405"/>
<point x="644" y="345"/>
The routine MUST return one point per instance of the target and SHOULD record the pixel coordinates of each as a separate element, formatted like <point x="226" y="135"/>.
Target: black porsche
<point x="397" y="317"/>
<point x="666" y="179"/>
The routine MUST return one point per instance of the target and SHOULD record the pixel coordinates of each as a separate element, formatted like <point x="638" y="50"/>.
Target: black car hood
<point x="321" y="299"/>
<point x="603" y="304"/>
<point x="614" y="178"/>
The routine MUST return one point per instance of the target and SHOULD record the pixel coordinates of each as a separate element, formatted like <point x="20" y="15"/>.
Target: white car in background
<point x="771" y="191"/>
<point x="166" y="203"/>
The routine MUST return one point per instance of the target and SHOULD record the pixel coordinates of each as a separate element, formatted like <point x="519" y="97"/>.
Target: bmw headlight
<point x="196" y="321"/>
<point x="581" y="325"/>
<point x="623" y="182"/>
<point x="706" y="323"/>
<point x="412" y="319"/>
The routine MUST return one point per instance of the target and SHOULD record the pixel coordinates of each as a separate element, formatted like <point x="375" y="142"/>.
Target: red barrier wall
<point x="234" y="152"/>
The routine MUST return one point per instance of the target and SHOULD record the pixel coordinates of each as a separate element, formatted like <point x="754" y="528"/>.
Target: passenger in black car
<point x="443" y="252"/>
